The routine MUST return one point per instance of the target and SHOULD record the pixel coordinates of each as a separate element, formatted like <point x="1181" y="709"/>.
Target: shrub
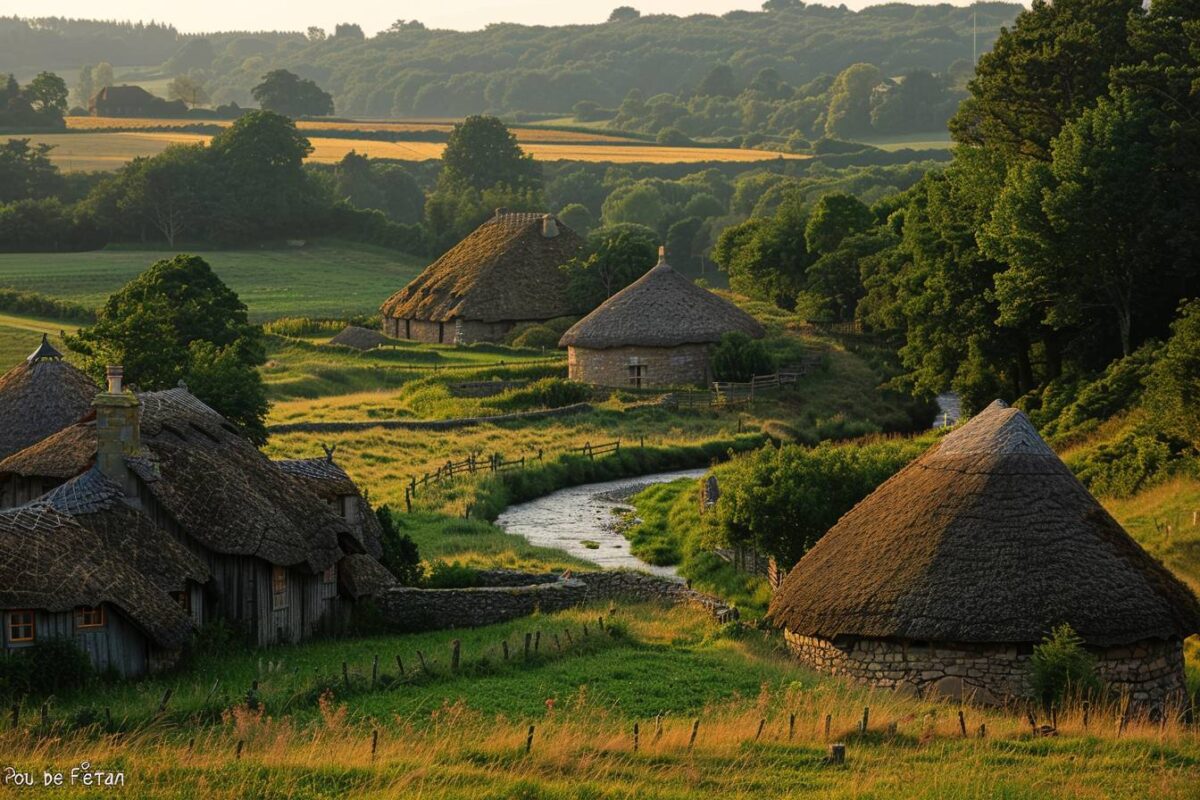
<point x="1062" y="668"/>
<point x="546" y="393"/>
<point x="400" y="554"/>
<point x="451" y="576"/>
<point x="41" y="306"/>
<point x="45" y="667"/>
<point x="537" y="337"/>
<point x="1124" y="467"/>
<point x="737" y="357"/>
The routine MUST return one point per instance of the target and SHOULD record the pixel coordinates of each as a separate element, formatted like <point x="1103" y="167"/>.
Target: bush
<point x="537" y="337"/>
<point x="400" y="554"/>
<point x="737" y="357"/>
<point x="45" y="667"/>
<point x="303" y="326"/>
<point x="546" y="393"/>
<point x="1062" y="669"/>
<point x="451" y="576"/>
<point x="39" y="305"/>
<point x="1126" y="466"/>
<point x="673" y="137"/>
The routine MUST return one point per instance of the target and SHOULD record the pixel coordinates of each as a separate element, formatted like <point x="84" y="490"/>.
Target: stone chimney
<point x="501" y="211"/>
<point x="549" y="227"/>
<point x="118" y="431"/>
<point x="662" y="254"/>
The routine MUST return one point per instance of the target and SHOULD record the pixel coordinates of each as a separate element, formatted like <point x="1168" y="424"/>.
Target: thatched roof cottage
<point x="273" y="546"/>
<point x="945" y="578"/>
<point x="504" y="273"/>
<point x="658" y="331"/>
<point x="40" y="396"/>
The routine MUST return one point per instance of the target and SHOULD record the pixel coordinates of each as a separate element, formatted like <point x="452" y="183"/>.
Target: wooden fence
<point x="496" y="463"/>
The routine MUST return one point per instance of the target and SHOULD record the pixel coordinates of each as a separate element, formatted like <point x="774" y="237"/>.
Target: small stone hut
<point x="658" y="331"/>
<point x="945" y="578"/>
<point x="40" y="396"/>
<point x="506" y="272"/>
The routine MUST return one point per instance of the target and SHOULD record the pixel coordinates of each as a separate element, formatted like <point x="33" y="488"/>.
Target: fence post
<point x="455" y="648"/>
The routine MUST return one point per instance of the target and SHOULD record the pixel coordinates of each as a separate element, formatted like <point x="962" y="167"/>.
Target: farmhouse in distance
<point x="504" y="273"/>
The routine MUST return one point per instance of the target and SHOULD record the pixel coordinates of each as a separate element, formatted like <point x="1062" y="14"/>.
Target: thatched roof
<point x="328" y="481"/>
<point x="988" y="537"/>
<point x="505" y="270"/>
<point x="360" y="575"/>
<point x="660" y="309"/>
<point x="41" y="395"/>
<point x="49" y="560"/>
<point x="359" y="338"/>
<point x="212" y="482"/>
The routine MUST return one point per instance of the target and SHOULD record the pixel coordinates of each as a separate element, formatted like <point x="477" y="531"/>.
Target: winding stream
<point x="569" y="517"/>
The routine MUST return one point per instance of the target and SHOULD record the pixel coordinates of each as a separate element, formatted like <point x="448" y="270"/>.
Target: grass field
<point x="439" y="734"/>
<point x="321" y="279"/>
<point x="109" y="150"/>
<point x="1166" y="521"/>
<point x="937" y="140"/>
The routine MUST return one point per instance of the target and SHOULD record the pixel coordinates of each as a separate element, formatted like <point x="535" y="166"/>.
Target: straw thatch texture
<point x="357" y="338"/>
<point x="360" y="575"/>
<point x="211" y="481"/>
<point x="326" y="480"/>
<point x="988" y="537"/>
<point x="505" y="270"/>
<point x="40" y="396"/>
<point x="660" y="309"/>
<point x="48" y="560"/>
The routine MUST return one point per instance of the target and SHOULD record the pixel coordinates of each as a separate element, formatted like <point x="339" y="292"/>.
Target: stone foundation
<point x="509" y="595"/>
<point x="455" y="331"/>
<point x="1150" y="673"/>
<point x="686" y="365"/>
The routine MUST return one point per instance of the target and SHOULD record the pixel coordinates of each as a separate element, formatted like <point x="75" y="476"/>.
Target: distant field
<point x="324" y="279"/>
<point x="109" y="150"/>
<point x="938" y="140"/>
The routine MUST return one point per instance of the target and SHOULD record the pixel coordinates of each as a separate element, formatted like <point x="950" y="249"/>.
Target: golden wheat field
<point x="108" y="150"/>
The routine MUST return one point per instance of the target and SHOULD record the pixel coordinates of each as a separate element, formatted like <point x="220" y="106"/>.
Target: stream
<point x="569" y="517"/>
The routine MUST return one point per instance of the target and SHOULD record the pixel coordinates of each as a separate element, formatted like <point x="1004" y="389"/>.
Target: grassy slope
<point x="443" y="736"/>
<point x="1147" y="515"/>
<point x="323" y="279"/>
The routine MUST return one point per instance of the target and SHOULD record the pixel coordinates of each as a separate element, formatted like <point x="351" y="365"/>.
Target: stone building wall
<point x="510" y="595"/>
<point x="456" y="331"/>
<point x="1151" y="672"/>
<point x="661" y="366"/>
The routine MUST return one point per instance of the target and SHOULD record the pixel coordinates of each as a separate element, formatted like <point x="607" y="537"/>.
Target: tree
<point x="315" y="34"/>
<point x="482" y="153"/>
<point x="348" y="30"/>
<point x="102" y="76"/>
<point x="613" y="257"/>
<point x="84" y="88"/>
<point x="639" y="203"/>
<point x="577" y="217"/>
<point x="48" y="94"/>
<point x="834" y="217"/>
<point x="1173" y="385"/>
<point x="178" y="321"/>
<point x="168" y="191"/>
<point x="766" y="258"/>
<point x="849" y="113"/>
<point x="288" y="94"/>
<point x="187" y="89"/>
<point x="624" y="14"/>
<point x="26" y="171"/>
<point x="737" y="357"/>
<point x="718" y="82"/>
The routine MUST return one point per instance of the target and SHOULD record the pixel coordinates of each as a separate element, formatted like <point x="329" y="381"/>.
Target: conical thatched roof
<point x="506" y="270"/>
<point x="40" y="396"/>
<point x="660" y="309"/>
<point x="988" y="537"/>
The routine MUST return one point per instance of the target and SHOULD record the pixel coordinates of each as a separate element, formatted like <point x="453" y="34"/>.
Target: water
<point x="949" y="410"/>
<point x="567" y="518"/>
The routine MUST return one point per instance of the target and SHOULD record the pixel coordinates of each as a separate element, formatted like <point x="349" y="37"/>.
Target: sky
<point x="373" y="15"/>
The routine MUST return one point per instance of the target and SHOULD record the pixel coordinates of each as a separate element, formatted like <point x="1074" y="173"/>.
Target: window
<point x="637" y="371"/>
<point x="89" y="617"/>
<point x="279" y="587"/>
<point x="184" y="599"/>
<point x="329" y="575"/>
<point x="21" y="626"/>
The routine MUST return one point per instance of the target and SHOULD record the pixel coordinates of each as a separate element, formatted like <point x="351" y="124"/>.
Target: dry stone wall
<point x="1150" y="673"/>
<point x="509" y="595"/>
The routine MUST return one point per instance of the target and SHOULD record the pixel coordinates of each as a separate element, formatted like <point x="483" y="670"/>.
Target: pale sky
<point x="372" y="15"/>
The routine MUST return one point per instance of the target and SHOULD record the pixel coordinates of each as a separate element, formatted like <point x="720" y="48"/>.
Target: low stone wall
<point x="412" y="609"/>
<point x="485" y="388"/>
<point x="1150" y="673"/>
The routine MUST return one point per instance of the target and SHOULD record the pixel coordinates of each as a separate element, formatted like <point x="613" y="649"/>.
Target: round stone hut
<point x="945" y="578"/>
<point x="658" y="331"/>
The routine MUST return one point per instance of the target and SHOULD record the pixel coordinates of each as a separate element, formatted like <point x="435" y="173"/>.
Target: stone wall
<point x="510" y="595"/>
<point x="485" y="388"/>
<point x="1150" y="672"/>
<point x="661" y="366"/>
